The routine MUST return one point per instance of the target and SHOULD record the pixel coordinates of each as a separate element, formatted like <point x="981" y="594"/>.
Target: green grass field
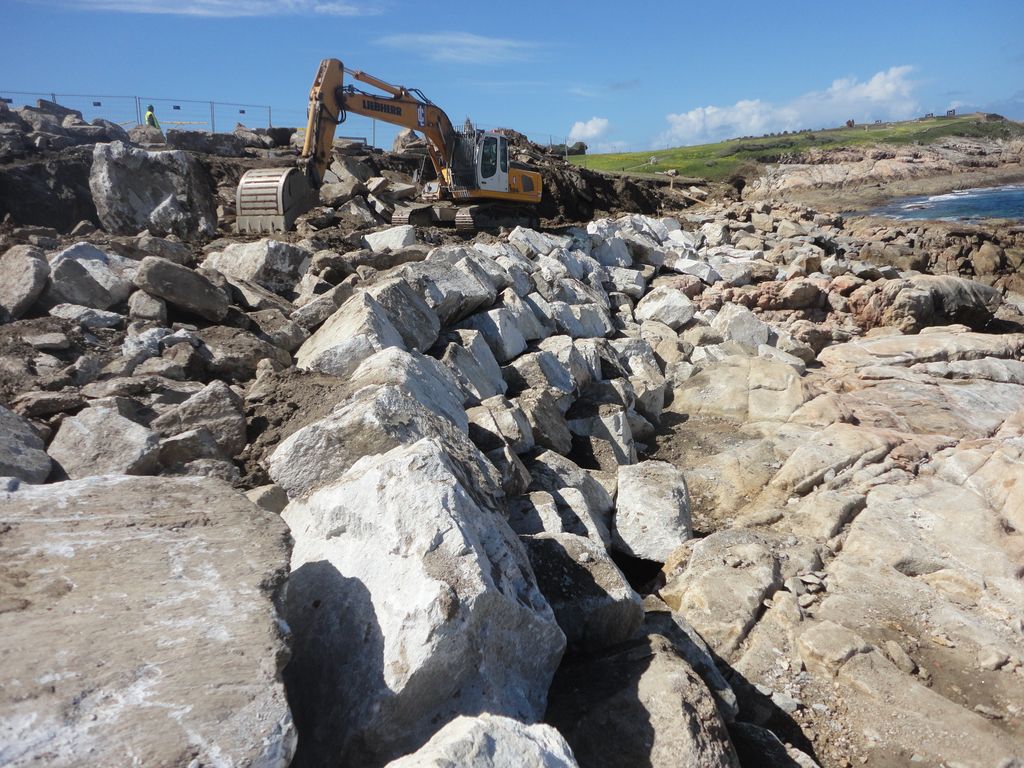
<point x="718" y="162"/>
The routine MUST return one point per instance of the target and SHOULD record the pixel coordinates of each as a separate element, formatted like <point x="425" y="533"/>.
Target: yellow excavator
<point x="476" y="187"/>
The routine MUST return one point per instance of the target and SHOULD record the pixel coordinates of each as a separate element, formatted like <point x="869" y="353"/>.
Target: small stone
<point x="992" y="659"/>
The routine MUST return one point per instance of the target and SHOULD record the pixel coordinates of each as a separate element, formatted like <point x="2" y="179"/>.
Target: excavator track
<point x="473" y="218"/>
<point x="425" y="215"/>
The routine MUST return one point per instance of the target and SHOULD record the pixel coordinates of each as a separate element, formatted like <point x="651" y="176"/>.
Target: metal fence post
<point x="270" y="121"/>
<point x="138" y="111"/>
<point x="213" y="123"/>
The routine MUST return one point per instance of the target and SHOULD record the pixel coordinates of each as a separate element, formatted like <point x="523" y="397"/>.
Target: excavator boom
<point x="469" y="167"/>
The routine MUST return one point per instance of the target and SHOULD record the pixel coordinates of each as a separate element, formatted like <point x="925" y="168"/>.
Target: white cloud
<point x="591" y="129"/>
<point x="887" y="95"/>
<point x="460" y="47"/>
<point x="220" y="8"/>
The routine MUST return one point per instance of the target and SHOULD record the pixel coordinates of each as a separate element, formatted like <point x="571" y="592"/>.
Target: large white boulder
<point x="391" y="239"/>
<point x="113" y="273"/>
<point x="412" y="317"/>
<point x="666" y="305"/>
<point x="275" y="265"/>
<point x="652" y="510"/>
<point x="453" y="292"/>
<point x="500" y="330"/>
<point x="491" y="741"/>
<point x="357" y="330"/>
<point x="377" y="419"/>
<point x="411" y="603"/>
<point x="163" y="192"/>
<point x="426" y="380"/>
<point x="737" y="323"/>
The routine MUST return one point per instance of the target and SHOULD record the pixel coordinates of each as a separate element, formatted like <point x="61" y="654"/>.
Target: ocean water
<point x="1005" y="202"/>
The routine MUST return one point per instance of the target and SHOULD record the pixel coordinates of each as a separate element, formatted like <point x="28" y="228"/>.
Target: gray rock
<point x="23" y="274"/>
<point x="146" y="608"/>
<point x="215" y="408"/>
<point x="87" y="317"/>
<point x="584" y="506"/>
<point x="182" y="288"/>
<point x="652" y="510"/>
<point x="639" y="705"/>
<point x="234" y="354"/>
<point x="269" y="497"/>
<point x="496" y="422"/>
<point x="222" y="144"/>
<point x="71" y="283"/>
<point x="592" y="601"/>
<point x="338" y="193"/>
<point x="374" y="675"/>
<point x="22" y="452"/>
<point x="169" y="248"/>
<point x="613" y="252"/>
<point x="491" y="741"/>
<point x="186" y="447"/>
<point x="315" y="313"/>
<point x="143" y="306"/>
<point x="473" y="379"/>
<point x="547" y="422"/>
<point x="99" y="441"/>
<point x="414" y="320"/>
<point x="276" y="328"/>
<point x="500" y="330"/>
<point x="275" y="265"/>
<point x="164" y="192"/>
<point x="253" y="296"/>
<point x="541" y="370"/>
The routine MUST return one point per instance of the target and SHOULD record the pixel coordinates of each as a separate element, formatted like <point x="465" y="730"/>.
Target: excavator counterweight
<point x="477" y="185"/>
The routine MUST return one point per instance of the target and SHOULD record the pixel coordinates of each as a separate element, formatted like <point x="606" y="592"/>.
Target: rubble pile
<point x="707" y="489"/>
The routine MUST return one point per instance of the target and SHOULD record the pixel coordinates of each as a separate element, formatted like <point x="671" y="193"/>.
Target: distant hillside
<point x="717" y="162"/>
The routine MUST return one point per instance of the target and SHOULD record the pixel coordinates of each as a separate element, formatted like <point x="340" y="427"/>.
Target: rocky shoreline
<point x="735" y="484"/>
<point x="852" y="180"/>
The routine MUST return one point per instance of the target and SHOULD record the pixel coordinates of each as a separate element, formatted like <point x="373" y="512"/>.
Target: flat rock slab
<point x="139" y="627"/>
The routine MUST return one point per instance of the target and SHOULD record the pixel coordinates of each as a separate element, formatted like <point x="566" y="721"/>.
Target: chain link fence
<point x="184" y="114"/>
<point x="219" y="116"/>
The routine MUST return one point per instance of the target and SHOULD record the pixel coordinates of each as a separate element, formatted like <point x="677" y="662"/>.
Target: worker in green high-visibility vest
<point x="151" y="120"/>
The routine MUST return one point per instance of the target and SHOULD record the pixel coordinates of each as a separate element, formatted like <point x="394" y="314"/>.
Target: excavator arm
<point x="330" y="101"/>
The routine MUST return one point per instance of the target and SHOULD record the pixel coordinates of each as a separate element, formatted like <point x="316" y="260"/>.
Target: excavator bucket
<point x="270" y="199"/>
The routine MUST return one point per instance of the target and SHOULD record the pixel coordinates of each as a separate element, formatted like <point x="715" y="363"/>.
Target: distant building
<point x="930" y="114"/>
<point x="950" y="113"/>
<point x="878" y="122"/>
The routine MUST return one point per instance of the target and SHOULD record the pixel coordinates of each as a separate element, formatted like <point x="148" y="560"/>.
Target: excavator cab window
<point x="489" y="157"/>
<point x="503" y="154"/>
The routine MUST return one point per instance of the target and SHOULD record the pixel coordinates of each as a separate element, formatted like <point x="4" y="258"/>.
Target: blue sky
<point x="620" y="76"/>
